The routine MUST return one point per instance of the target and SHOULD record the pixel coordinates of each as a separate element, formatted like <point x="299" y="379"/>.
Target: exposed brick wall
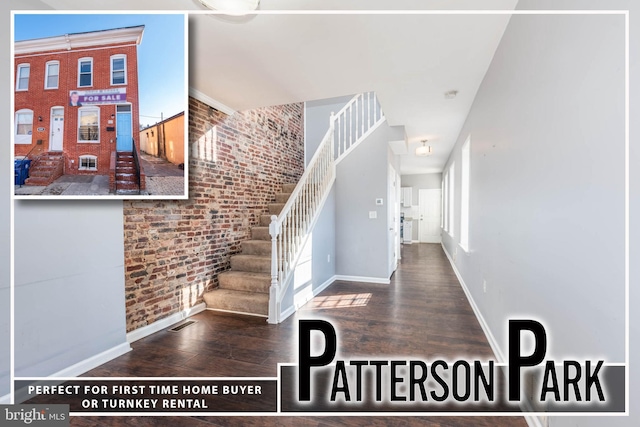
<point x="41" y="100"/>
<point x="174" y="250"/>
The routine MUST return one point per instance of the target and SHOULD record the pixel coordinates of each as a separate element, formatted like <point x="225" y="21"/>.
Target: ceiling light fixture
<point x="232" y="7"/>
<point x="424" y="150"/>
<point x="451" y="94"/>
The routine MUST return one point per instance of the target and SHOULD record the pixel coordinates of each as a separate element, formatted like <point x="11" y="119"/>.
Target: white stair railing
<point x="291" y="229"/>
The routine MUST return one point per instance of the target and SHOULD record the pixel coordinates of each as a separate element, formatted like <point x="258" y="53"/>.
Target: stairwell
<point x="127" y="181"/>
<point x="245" y="287"/>
<point x="46" y="168"/>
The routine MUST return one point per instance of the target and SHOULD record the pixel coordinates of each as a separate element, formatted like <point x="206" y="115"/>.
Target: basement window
<point x="88" y="163"/>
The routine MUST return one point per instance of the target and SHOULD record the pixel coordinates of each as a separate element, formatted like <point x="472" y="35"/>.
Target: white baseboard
<point x="531" y="420"/>
<point x="483" y="324"/>
<point x="6" y="399"/>
<point x="379" y="280"/>
<point x="79" y="368"/>
<point x="161" y="324"/>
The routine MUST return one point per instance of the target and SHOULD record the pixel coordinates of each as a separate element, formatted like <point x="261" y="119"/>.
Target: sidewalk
<point x="69" y="185"/>
<point x="163" y="177"/>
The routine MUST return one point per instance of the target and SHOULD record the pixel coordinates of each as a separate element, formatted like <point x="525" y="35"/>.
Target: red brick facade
<point x="41" y="100"/>
<point x="174" y="250"/>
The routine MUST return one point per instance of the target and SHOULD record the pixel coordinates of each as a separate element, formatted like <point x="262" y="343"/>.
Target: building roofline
<point x="81" y="40"/>
<point x="163" y="121"/>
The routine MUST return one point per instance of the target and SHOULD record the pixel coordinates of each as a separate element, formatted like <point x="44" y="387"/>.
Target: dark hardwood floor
<point x="422" y="314"/>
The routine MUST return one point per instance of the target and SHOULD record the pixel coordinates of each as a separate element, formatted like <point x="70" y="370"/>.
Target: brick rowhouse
<point x="174" y="250"/>
<point x="101" y="67"/>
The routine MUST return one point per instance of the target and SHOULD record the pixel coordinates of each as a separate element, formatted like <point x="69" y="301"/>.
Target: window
<point x="52" y="74"/>
<point x="88" y="163"/>
<point x="119" y="69"/>
<point x="23" y="127"/>
<point x="445" y="196"/>
<point x="452" y="186"/>
<point x="89" y="124"/>
<point x="464" y="194"/>
<point x="22" y="77"/>
<point x="85" y="72"/>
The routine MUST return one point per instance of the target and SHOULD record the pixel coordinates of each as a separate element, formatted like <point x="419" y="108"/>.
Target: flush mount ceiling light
<point x="232" y="7"/>
<point x="424" y="150"/>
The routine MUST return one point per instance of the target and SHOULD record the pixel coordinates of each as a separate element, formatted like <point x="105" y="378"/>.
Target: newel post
<point x="274" y="290"/>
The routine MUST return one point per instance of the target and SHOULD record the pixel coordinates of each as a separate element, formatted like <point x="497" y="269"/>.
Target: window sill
<point x="51" y="88"/>
<point x="88" y="142"/>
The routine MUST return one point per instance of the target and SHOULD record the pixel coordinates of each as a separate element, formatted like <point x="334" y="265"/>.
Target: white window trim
<point x="452" y="195"/>
<point x="87" y="156"/>
<point x="46" y="74"/>
<point x="22" y="139"/>
<point x="80" y="61"/>
<point x="88" y="108"/>
<point x="118" y="56"/>
<point x="21" y="66"/>
<point x="465" y="183"/>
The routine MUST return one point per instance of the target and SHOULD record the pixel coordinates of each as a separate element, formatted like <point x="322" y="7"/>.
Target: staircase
<point x="46" y="168"/>
<point x="245" y="288"/>
<point x="127" y="181"/>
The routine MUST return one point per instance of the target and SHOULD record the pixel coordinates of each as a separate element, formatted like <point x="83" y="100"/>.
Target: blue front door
<point x="124" y="132"/>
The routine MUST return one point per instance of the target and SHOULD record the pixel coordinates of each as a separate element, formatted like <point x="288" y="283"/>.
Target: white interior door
<point x="429" y="215"/>
<point x="57" y="129"/>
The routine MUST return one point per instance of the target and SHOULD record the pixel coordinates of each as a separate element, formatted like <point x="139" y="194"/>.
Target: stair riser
<point x="275" y="208"/>
<point x="246" y="284"/>
<point x="255" y="247"/>
<point x="288" y="188"/>
<point x="282" y="197"/>
<point x="260" y="233"/>
<point x="240" y="303"/>
<point x="253" y="265"/>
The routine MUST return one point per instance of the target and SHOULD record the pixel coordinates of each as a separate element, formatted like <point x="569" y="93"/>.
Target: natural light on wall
<point x="452" y="186"/>
<point x="205" y="147"/>
<point x="464" y="194"/>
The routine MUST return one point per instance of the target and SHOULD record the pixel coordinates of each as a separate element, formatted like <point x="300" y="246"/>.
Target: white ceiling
<point x="409" y="60"/>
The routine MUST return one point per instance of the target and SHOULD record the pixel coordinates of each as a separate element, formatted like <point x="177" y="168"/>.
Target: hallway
<point x="423" y="313"/>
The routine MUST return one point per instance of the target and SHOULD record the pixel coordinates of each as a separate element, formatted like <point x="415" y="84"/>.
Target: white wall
<point x="547" y="187"/>
<point x="317" y="115"/>
<point x="361" y="178"/>
<point x="69" y="283"/>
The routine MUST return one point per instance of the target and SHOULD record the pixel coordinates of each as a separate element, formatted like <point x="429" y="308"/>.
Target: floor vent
<point x="182" y="326"/>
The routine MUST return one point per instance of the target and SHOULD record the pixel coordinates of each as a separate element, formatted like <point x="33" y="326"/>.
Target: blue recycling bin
<point x="21" y="167"/>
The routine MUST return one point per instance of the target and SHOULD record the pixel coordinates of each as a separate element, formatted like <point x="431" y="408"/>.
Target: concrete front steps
<point x="126" y="177"/>
<point x="245" y="287"/>
<point x="46" y="168"/>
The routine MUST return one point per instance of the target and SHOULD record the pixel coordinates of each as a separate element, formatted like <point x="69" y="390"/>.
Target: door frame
<point x="130" y="112"/>
<point x="55" y="107"/>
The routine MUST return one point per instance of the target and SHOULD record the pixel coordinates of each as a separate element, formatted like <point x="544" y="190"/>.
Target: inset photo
<point x="99" y="105"/>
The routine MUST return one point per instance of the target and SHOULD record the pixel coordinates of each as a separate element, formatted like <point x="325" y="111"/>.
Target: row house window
<point x="118" y="73"/>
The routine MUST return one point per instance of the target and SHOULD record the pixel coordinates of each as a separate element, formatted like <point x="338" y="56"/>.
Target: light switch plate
<point x="373" y="214"/>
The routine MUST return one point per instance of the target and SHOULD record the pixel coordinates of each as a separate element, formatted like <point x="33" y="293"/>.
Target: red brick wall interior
<point x="174" y="250"/>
